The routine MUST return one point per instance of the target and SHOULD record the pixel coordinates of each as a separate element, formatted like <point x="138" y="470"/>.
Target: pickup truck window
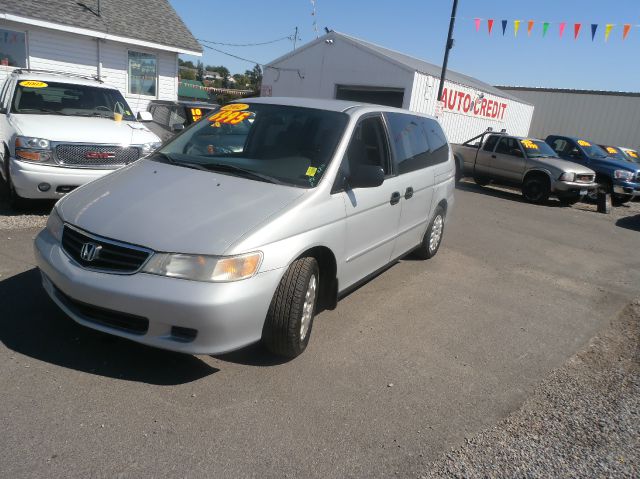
<point x="537" y="149"/>
<point x="506" y="146"/>
<point x="490" y="144"/>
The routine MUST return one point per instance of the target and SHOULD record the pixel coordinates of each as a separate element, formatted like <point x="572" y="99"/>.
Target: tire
<point x="433" y="237"/>
<point x="536" y="188"/>
<point x="289" y="320"/>
<point x="481" y="180"/>
<point x="618" y="200"/>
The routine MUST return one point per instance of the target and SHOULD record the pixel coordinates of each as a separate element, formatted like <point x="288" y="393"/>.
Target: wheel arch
<point x="538" y="172"/>
<point x="328" y="266"/>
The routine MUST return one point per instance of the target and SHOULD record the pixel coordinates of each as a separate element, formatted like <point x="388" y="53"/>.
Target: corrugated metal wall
<point x="605" y="119"/>
<point x="460" y="126"/>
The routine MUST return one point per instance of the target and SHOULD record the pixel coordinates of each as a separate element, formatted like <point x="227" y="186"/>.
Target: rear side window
<point x="418" y="142"/>
<point x="490" y="144"/>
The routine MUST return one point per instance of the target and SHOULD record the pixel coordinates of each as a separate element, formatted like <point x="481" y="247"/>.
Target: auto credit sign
<point x="457" y="101"/>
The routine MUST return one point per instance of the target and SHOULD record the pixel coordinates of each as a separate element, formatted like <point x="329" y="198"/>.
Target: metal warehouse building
<point x="606" y="117"/>
<point x="342" y="67"/>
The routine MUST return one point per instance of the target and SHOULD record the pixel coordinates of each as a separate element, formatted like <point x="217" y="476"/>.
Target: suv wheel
<point x="433" y="237"/>
<point x="536" y="188"/>
<point x="289" y="320"/>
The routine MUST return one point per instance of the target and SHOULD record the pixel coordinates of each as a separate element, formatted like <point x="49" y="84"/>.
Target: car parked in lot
<point x="170" y="117"/>
<point x="524" y="162"/>
<point x="59" y="131"/>
<point x="200" y="248"/>
<point x="630" y="154"/>
<point x="618" y="177"/>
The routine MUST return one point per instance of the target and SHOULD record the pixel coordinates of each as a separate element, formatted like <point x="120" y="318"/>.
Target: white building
<point x="339" y="66"/>
<point x="132" y="45"/>
<point x="606" y="117"/>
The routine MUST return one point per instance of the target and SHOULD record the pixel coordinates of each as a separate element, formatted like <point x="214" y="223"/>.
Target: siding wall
<point x="605" y="119"/>
<point x="59" y="51"/>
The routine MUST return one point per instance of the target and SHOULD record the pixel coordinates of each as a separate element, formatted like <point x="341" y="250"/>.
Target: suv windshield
<point x="275" y="143"/>
<point x="537" y="149"/>
<point x="613" y="152"/>
<point x="54" y="98"/>
<point x="591" y="149"/>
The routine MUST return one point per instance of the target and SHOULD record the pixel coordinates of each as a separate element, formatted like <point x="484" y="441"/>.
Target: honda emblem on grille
<point x="90" y="251"/>
<point x="99" y="155"/>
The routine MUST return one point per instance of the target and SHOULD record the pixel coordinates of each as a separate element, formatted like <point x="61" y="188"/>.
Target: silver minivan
<point x="249" y="222"/>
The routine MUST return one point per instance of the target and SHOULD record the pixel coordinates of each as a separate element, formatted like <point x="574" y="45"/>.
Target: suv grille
<point x="584" y="178"/>
<point x="108" y="255"/>
<point x="96" y="156"/>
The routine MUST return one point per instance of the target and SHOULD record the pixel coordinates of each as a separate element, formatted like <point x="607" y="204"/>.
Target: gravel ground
<point x="582" y="421"/>
<point x="34" y="216"/>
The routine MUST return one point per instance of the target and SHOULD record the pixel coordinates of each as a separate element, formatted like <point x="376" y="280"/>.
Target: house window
<point x="13" y="48"/>
<point x="143" y="74"/>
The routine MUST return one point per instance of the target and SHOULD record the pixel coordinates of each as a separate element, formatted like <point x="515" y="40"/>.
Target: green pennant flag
<point x="545" y="27"/>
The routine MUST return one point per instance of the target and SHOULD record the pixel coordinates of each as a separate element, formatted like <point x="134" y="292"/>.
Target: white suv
<point x="60" y="131"/>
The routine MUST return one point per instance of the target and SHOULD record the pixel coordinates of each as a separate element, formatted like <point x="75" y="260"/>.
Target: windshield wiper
<point x="243" y="172"/>
<point x="164" y="158"/>
<point x="43" y="110"/>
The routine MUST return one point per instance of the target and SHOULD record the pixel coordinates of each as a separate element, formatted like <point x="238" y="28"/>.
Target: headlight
<point x="204" y="268"/>
<point x="623" y="175"/>
<point x="149" y="147"/>
<point x="33" y="149"/>
<point x="568" y="177"/>
<point x="55" y="225"/>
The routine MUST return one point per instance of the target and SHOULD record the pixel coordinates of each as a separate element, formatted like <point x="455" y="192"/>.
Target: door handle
<point x="395" y="198"/>
<point x="409" y="193"/>
<point x="493" y="156"/>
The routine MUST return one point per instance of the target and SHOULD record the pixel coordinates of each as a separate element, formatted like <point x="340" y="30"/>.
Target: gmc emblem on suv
<point x="90" y="251"/>
<point x="99" y="155"/>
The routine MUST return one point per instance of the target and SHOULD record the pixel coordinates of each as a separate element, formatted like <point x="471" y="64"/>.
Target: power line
<point x="255" y="62"/>
<point x="288" y="37"/>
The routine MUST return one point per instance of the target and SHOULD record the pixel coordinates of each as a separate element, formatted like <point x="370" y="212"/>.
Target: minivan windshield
<point x="36" y="97"/>
<point x="274" y="143"/>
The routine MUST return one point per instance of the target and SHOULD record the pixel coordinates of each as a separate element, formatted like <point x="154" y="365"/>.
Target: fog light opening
<point x="44" y="187"/>
<point x="184" y="335"/>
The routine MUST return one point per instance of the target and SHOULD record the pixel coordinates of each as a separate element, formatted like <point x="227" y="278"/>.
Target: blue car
<point x="618" y="177"/>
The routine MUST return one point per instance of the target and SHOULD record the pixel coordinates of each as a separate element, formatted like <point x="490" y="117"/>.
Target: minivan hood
<point x="174" y="209"/>
<point x="82" y="129"/>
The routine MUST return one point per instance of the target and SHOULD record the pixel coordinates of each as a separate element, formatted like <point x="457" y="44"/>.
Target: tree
<point x="255" y="77"/>
<point x="187" y="74"/>
<point x="223" y="71"/>
<point x="200" y="72"/>
<point x="186" y="64"/>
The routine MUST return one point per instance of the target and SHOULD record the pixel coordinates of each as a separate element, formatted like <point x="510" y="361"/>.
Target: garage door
<point x="377" y="95"/>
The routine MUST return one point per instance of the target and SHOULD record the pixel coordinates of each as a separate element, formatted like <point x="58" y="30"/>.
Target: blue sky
<point x="419" y="27"/>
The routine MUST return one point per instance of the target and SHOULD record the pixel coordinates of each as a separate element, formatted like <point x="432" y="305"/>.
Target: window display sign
<point x="143" y="72"/>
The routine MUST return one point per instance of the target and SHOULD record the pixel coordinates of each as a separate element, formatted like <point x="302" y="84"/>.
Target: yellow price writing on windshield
<point x="612" y="150"/>
<point x="529" y="144"/>
<point x="632" y="154"/>
<point x="196" y="114"/>
<point x="230" y="117"/>
<point x="583" y="143"/>
<point x="33" y="84"/>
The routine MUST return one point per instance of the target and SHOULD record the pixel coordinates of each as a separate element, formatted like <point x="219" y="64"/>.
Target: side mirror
<point x="366" y="176"/>
<point x="177" y="127"/>
<point x="145" y="116"/>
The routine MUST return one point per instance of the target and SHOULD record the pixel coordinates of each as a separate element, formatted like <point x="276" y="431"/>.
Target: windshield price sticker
<point x="612" y="150"/>
<point x="529" y="144"/>
<point x="311" y="171"/>
<point x="632" y="154"/>
<point x="230" y="117"/>
<point x="583" y="143"/>
<point x="33" y="84"/>
<point x="235" y="107"/>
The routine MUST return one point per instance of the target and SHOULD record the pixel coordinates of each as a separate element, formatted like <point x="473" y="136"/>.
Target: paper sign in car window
<point x="632" y="154"/>
<point x="529" y="144"/>
<point x="229" y="117"/>
<point x="583" y="143"/>
<point x="33" y="84"/>
<point x="311" y="171"/>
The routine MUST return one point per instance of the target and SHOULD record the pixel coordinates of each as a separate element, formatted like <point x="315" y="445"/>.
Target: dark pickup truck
<point x="615" y="176"/>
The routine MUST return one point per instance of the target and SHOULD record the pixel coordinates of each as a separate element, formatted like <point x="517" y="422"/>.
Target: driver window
<point x="506" y="146"/>
<point x="368" y="146"/>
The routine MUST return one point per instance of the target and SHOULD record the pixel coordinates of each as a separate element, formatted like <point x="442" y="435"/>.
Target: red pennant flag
<point x="625" y="30"/>
<point x="477" y="20"/>
<point x="576" y="30"/>
<point x="490" y="25"/>
<point x="529" y="27"/>
<point x="562" y="26"/>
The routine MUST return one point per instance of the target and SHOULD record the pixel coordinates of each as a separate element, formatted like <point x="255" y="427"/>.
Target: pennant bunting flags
<point x="529" y="27"/>
<point x="625" y="30"/>
<point x="576" y="30"/>
<point x="490" y="25"/>
<point x="594" y="28"/>
<point x="545" y="27"/>
<point x="516" y="27"/>
<point x="504" y="26"/>
<point x="562" y="26"/>
<point x="607" y="31"/>
<point x="477" y="20"/>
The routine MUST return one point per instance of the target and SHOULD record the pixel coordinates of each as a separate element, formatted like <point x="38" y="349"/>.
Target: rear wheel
<point x="289" y="320"/>
<point x="433" y="237"/>
<point x="536" y="188"/>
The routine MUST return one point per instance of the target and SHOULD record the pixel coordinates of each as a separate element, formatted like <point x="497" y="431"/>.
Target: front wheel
<point x="536" y="188"/>
<point x="289" y="320"/>
<point x="433" y="237"/>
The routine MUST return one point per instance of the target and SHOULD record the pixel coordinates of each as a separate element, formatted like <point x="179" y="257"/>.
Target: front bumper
<point x="568" y="188"/>
<point x="27" y="176"/>
<point x="626" y="188"/>
<point x="226" y="316"/>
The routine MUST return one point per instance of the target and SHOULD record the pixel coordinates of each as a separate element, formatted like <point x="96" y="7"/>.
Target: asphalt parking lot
<point x="409" y="365"/>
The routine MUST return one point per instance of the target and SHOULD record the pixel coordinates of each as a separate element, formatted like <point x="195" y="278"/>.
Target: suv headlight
<point x="623" y="175"/>
<point x="568" y="177"/>
<point x="37" y="150"/>
<point x="204" y="268"/>
<point x="55" y="224"/>
<point x="150" y="147"/>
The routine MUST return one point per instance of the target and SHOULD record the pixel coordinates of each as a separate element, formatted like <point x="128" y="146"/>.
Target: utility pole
<point x="447" y="47"/>
<point x="295" y="38"/>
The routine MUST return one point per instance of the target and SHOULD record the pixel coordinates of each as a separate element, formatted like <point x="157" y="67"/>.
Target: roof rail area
<point x="55" y="72"/>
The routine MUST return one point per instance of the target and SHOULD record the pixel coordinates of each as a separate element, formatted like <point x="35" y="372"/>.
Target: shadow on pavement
<point x="31" y="324"/>
<point x="629" y="222"/>
<point x="499" y="193"/>
<point x="254" y="355"/>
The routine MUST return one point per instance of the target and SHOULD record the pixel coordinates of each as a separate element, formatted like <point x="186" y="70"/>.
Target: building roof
<point x="407" y="62"/>
<point x="568" y="90"/>
<point x="153" y="21"/>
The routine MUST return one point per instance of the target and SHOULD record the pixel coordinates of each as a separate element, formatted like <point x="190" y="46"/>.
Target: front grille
<point x="584" y="178"/>
<point x="96" y="156"/>
<point x="111" y="257"/>
<point x="105" y="317"/>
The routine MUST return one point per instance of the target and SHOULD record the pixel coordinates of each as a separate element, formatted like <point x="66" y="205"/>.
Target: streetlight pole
<point x="447" y="47"/>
